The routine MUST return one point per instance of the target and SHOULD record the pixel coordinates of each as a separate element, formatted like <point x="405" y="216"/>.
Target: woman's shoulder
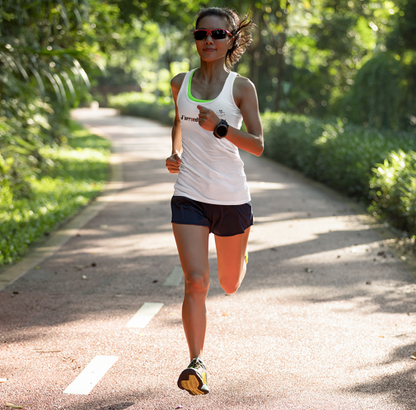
<point x="243" y="82"/>
<point x="177" y="81"/>
<point x="243" y="87"/>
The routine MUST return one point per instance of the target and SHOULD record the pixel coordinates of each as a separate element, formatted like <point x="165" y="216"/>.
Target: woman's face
<point x="211" y="49"/>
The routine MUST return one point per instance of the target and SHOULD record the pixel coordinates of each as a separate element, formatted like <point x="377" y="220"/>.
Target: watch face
<point x="222" y="130"/>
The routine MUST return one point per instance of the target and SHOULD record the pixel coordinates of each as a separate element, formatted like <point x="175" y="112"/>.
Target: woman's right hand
<point x="173" y="163"/>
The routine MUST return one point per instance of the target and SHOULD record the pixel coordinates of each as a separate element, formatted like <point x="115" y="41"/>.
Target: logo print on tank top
<point x="185" y="118"/>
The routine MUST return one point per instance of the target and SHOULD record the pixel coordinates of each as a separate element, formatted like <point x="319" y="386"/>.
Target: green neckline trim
<point x="189" y="91"/>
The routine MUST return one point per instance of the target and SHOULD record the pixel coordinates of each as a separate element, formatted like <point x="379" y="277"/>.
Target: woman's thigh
<point x="192" y="243"/>
<point x="230" y="254"/>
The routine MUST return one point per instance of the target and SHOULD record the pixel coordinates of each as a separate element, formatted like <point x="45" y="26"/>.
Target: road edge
<point x="37" y="253"/>
<point x="391" y="237"/>
<point x="58" y="238"/>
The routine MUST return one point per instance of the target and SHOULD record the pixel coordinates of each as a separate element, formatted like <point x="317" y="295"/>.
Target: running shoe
<point x="194" y="378"/>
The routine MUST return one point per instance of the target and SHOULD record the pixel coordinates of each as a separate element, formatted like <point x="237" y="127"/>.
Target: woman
<point x="211" y="193"/>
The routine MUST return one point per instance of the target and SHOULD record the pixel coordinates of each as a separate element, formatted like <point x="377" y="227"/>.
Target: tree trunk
<point x="280" y="71"/>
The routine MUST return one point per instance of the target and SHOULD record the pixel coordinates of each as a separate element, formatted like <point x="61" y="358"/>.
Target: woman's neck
<point x="212" y="71"/>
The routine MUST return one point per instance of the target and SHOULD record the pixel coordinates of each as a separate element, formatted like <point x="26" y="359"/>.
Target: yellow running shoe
<point x="194" y="378"/>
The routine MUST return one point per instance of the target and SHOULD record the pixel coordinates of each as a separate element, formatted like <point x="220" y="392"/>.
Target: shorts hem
<point x="233" y="234"/>
<point x="189" y="223"/>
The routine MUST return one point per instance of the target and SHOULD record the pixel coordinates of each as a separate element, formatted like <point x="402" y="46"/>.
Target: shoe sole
<point x="190" y="381"/>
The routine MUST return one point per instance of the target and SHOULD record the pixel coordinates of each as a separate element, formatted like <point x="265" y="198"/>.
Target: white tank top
<point x="211" y="170"/>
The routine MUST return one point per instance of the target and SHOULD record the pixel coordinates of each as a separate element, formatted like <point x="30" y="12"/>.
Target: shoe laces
<point x="196" y="363"/>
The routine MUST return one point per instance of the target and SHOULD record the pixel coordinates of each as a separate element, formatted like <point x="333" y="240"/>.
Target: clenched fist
<point x="208" y="120"/>
<point x="173" y="163"/>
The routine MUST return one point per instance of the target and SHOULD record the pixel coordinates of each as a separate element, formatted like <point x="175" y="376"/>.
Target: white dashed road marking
<point x="175" y="277"/>
<point x="144" y="315"/>
<point x="91" y="375"/>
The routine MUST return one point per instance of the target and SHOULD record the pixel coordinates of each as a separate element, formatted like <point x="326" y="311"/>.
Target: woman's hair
<point x="241" y="31"/>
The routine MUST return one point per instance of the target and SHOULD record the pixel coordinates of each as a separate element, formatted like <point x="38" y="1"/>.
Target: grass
<point x="76" y="174"/>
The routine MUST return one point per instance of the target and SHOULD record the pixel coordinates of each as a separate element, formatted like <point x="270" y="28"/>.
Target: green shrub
<point x="337" y="154"/>
<point x="393" y="189"/>
<point x="344" y="157"/>
<point x="72" y="176"/>
<point x="144" y="105"/>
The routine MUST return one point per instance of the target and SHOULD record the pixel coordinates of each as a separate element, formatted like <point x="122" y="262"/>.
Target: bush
<point x="393" y="189"/>
<point x="344" y="156"/>
<point x="72" y="176"/>
<point x="144" y="105"/>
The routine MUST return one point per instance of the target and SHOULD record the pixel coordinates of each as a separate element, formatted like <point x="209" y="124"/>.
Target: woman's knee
<point x="231" y="280"/>
<point x="197" y="282"/>
<point x="229" y="287"/>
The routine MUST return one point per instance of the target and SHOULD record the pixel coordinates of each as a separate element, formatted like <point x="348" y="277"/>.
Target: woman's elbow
<point x="259" y="148"/>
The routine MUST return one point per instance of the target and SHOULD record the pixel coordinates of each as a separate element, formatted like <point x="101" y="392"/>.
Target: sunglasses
<point x="216" y="33"/>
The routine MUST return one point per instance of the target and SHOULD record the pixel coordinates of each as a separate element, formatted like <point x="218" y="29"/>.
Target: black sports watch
<point x="221" y="129"/>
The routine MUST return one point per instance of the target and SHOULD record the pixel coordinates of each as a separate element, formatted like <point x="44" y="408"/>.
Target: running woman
<point x="211" y="192"/>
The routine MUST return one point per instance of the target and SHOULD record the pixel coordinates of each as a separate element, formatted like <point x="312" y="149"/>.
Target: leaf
<point x="13" y="406"/>
<point x="38" y="79"/>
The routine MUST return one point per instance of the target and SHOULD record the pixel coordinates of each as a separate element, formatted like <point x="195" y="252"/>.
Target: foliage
<point x="353" y="59"/>
<point x="46" y="49"/>
<point x="403" y="37"/>
<point x="41" y="77"/>
<point x="306" y="57"/>
<point x="144" y="105"/>
<point x="344" y="156"/>
<point x="157" y="38"/>
<point x="77" y="173"/>
<point x="380" y="95"/>
<point x="393" y="190"/>
<point x="378" y="168"/>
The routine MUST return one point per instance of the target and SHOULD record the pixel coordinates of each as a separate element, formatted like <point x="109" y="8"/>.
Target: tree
<point x="45" y="48"/>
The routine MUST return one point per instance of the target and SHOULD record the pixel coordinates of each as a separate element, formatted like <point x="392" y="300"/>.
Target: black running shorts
<point x="222" y="220"/>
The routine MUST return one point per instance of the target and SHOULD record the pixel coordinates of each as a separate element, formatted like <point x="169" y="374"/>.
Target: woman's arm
<point x="245" y="97"/>
<point x="174" y="161"/>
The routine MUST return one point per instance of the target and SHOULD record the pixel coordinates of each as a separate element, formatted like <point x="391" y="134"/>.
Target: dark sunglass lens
<point x="219" y="34"/>
<point x="200" y="34"/>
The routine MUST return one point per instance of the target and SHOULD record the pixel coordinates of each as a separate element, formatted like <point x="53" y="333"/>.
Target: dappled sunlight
<point x="289" y="231"/>
<point x="277" y="217"/>
<point x="146" y="244"/>
<point x="85" y="113"/>
<point x="325" y="316"/>
<point x="148" y="193"/>
<point x="259" y="186"/>
<point x="323" y="298"/>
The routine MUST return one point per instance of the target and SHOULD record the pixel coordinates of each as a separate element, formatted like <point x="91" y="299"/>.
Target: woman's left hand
<point x="208" y="120"/>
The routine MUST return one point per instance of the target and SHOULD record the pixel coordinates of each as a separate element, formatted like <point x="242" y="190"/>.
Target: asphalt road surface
<point x="91" y="320"/>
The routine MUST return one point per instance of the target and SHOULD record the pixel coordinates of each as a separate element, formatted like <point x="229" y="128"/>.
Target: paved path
<point x="324" y="320"/>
